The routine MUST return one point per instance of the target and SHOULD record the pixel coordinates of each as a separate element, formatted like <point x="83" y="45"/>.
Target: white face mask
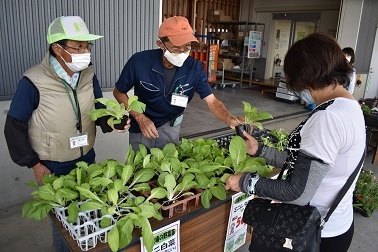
<point x="305" y="95"/>
<point x="176" y="59"/>
<point x="348" y="58"/>
<point x="79" y="61"/>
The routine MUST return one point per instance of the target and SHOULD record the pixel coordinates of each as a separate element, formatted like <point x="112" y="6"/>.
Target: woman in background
<point x="349" y="56"/>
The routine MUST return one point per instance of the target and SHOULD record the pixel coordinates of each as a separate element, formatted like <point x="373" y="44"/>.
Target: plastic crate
<point x="86" y="230"/>
<point x="224" y="140"/>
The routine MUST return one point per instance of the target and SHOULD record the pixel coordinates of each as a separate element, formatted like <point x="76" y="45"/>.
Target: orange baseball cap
<point x="178" y="30"/>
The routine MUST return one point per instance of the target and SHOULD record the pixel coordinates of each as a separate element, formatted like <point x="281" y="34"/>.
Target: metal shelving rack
<point x="216" y="28"/>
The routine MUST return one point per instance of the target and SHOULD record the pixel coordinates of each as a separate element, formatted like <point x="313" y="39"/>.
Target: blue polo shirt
<point x="145" y="72"/>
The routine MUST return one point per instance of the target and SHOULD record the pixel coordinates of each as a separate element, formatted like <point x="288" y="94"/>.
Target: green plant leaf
<point x="143" y="175"/>
<point x="73" y="212"/>
<point x="127" y="171"/>
<point x="166" y="166"/>
<point x="97" y="172"/>
<point x="148" y="237"/>
<point x="58" y="183"/>
<point x="210" y="167"/>
<point x="110" y="169"/>
<point x="143" y="150"/>
<point x="90" y="206"/>
<point x="202" y="181"/>
<point x="104" y="182"/>
<point x="67" y="194"/>
<point x="157" y="153"/>
<point x="225" y="177"/>
<point x="144" y="187"/>
<point x="32" y="184"/>
<point x="205" y="198"/>
<point x="88" y="194"/>
<point x="129" y="158"/>
<point x="39" y="210"/>
<point x="238" y="150"/>
<point x="105" y="222"/>
<point x="117" y="185"/>
<point x="219" y="192"/>
<point x="170" y="151"/>
<point x="113" y="238"/>
<point x="146" y="160"/>
<point x="137" y="106"/>
<point x="170" y="184"/>
<point x="258" y="125"/>
<point x="125" y="228"/>
<point x="194" y="170"/>
<point x="113" y="196"/>
<point x="47" y="192"/>
<point x="157" y="193"/>
<point x="147" y="210"/>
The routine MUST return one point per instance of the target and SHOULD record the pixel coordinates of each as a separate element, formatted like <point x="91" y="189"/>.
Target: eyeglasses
<point x="177" y="50"/>
<point x="81" y="48"/>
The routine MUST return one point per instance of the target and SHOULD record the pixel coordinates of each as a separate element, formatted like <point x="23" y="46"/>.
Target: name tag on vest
<point x="79" y="140"/>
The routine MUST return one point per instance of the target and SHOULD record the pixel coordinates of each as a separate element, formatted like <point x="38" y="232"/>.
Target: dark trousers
<point x="58" y="242"/>
<point x="340" y="243"/>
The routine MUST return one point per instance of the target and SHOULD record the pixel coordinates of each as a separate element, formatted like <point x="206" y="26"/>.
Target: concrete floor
<point x="21" y="234"/>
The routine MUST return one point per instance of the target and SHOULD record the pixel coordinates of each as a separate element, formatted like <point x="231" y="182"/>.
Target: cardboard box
<point x="242" y="35"/>
<point x="226" y="35"/>
<point x="227" y="64"/>
<point x="218" y="18"/>
<point x="211" y="12"/>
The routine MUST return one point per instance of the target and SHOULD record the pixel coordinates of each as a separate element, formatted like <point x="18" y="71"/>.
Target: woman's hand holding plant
<point x="252" y="144"/>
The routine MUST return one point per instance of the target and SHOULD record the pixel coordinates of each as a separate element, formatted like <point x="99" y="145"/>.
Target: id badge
<point x="179" y="100"/>
<point x="79" y="140"/>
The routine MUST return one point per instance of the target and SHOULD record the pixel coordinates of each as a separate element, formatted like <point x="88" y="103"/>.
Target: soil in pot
<point x="121" y="125"/>
<point x="243" y="127"/>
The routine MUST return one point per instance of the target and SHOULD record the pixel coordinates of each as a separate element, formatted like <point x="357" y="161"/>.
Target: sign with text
<point x="167" y="239"/>
<point x="254" y="44"/>
<point x="237" y="229"/>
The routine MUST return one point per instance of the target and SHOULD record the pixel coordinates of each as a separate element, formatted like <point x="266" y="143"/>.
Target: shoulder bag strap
<point x="344" y="189"/>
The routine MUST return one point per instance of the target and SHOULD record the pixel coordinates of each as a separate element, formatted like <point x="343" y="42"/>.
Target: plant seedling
<point x="251" y="118"/>
<point x="118" y="112"/>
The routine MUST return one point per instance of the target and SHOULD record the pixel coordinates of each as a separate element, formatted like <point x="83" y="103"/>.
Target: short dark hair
<point x="315" y="61"/>
<point x="62" y="42"/>
<point x="349" y="51"/>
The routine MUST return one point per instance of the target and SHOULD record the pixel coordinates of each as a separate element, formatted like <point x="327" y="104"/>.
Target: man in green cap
<point x="47" y="127"/>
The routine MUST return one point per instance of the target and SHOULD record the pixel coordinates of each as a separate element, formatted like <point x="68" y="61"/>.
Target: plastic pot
<point x="122" y="124"/>
<point x="243" y="127"/>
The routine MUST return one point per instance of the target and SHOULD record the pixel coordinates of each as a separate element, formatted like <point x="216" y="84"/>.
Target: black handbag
<point x="288" y="227"/>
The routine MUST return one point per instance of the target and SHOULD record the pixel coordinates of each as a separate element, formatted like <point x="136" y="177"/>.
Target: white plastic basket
<point x="86" y="229"/>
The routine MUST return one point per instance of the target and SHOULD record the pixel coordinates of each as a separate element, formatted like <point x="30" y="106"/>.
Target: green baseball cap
<point x="70" y="27"/>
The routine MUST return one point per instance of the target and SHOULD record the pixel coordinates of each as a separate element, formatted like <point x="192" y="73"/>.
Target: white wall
<point x="13" y="190"/>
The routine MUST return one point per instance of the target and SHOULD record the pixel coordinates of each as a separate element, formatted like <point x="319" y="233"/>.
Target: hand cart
<point x="223" y="82"/>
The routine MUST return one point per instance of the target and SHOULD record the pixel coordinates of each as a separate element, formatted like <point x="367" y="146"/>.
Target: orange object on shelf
<point x="213" y="64"/>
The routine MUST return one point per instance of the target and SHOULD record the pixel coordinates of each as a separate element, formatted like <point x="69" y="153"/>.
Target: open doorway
<point x="286" y="29"/>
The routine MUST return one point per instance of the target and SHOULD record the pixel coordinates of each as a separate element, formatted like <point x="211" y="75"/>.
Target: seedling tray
<point x="178" y="205"/>
<point x="86" y="229"/>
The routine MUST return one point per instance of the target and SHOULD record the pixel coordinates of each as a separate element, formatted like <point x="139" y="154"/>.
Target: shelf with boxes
<point x="232" y="37"/>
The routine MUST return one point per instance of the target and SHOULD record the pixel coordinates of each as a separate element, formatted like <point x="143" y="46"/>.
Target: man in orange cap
<point x="166" y="79"/>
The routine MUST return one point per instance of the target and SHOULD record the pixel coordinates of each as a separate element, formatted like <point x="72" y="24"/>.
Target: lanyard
<point x="75" y="109"/>
<point x="181" y="87"/>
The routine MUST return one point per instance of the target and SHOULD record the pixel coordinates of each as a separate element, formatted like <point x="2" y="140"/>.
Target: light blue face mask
<point x="305" y="95"/>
